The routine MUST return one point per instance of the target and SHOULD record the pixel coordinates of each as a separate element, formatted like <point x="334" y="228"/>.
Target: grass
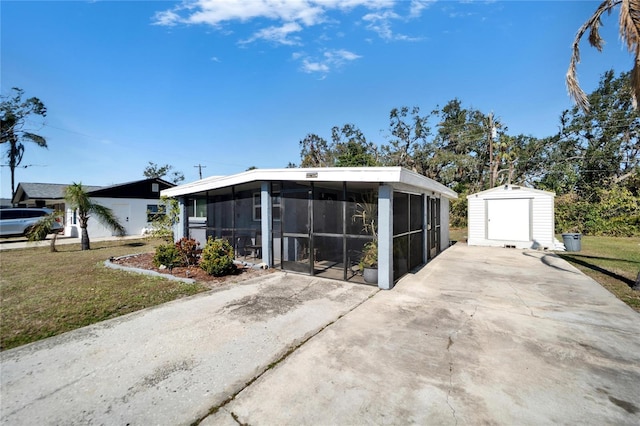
<point x="458" y="234"/>
<point x="614" y="262"/>
<point x="43" y="294"/>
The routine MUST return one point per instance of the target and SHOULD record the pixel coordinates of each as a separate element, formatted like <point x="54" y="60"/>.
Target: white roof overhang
<point x="398" y="177"/>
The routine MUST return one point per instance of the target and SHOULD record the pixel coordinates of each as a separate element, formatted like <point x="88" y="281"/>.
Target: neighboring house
<point x="512" y="216"/>
<point x="310" y="220"/>
<point x="134" y="203"/>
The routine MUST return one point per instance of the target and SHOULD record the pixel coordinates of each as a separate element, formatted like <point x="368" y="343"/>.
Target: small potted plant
<point x="369" y="262"/>
<point x="367" y="214"/>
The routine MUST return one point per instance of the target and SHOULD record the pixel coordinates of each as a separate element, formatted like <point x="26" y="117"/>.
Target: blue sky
<point x="233" y="84"/>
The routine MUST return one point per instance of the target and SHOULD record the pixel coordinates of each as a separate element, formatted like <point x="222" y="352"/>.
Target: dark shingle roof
<point x="49" y="191"/>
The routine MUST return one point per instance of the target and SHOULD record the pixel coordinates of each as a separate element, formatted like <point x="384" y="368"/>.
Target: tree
<point x="167" y="217"/>
<point x="14" y="112"/>
<point x="315" y="152"/>
<point x="154" y="170"/>
<point x="629" y="33"/>
<point x="44" y="227"/>
<point x="78" y="199"/>
<point x="409" y="132"/>
<point x="351" y="149"/>
<point x="603" y="142"/>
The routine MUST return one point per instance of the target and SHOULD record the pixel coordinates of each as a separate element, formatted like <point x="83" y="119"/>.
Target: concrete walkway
<point x="479" y="335"/>
<point x="12" y="243"/>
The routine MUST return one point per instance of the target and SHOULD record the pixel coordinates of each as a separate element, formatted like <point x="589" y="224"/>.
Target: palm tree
<point x="78" y="199"/>
<point x="13" y="114"/>
<point x="629" y="33"/>
<point x="44" y="227"/>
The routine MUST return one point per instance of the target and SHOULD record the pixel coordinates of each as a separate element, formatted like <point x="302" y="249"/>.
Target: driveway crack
<point x="515" y="290"/>
<point x="450" y="343"/>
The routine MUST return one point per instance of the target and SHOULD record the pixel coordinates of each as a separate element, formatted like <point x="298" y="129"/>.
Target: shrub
<point x="167" y="255"/>
<point x="217" y="258"/>
<point x="188" y="250"/>
<point x="369" y="255"/>
<point x="615" y="212"/>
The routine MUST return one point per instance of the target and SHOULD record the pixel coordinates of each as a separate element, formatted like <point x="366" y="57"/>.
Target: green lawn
<point x="612" y="261"/>
<point x="43" y="294"/>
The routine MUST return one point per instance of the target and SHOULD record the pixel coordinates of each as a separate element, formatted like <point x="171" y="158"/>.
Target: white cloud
<point x="381" y="23"/>
<point x="280" y="35"/>
<point x="284" y="22"/>
<point x="217" y="12"/>
<point x="417" y="6"/>
<point x="330" y="60"/>
<point x="311" y="67"/>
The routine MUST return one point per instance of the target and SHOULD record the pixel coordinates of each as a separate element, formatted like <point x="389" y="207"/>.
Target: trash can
<point x="572" y="242"/>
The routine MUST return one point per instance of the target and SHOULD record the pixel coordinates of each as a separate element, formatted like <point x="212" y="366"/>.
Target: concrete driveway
<point x="170" y="364"/>
<point x="479" y="335"/>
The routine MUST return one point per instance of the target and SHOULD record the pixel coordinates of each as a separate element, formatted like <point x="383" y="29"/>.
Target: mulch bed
<point x="145" y="261"/>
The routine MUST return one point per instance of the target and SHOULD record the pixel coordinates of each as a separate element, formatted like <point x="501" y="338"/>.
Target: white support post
<point x="266" y="221"/>
<point x="181" y="229"/>
<point x="385" y="237"/>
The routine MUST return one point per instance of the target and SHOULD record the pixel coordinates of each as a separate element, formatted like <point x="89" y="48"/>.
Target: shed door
<point x="509" y="219"/>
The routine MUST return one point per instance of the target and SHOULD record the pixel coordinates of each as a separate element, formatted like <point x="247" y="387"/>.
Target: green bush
<point x="217" y="258"/>
<point x="167" y="255"/>
<point x="614" y="211"/>
<point x="458" y="211"/>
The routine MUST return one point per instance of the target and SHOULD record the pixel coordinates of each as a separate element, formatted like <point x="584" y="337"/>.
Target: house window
<point x="198" y="207"/>
<point x="155" y="187"/>
<point x="257" y="206"/>
<point x="154" y="212"/>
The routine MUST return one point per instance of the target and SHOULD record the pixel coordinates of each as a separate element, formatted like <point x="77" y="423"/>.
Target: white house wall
<point x="131" y="212"/>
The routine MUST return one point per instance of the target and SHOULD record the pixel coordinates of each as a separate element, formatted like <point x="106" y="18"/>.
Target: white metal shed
<point x="511" y="216"/>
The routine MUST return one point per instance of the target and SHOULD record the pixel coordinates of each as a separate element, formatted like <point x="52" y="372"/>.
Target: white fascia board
<point x="502" y="188"/>
<point x="326" y="174"/>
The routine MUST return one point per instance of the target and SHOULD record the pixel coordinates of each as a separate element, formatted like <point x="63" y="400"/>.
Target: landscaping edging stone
<point x="112" y="265"/>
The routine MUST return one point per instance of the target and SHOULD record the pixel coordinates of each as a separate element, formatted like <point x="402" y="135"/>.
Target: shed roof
<point x="503" y="188"/>
<point x="396" y="176"/>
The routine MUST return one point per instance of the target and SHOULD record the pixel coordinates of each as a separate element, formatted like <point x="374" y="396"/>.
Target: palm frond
<point x="42" y="228"/>
<point x="37" y="139"/>
<point x="77" y="197"/>
<point x="108" y="218"/>
<point x="593" y="26"/>
<point x="630" y="34"/>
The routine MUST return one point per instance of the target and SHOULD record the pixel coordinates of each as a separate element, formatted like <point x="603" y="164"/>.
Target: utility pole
<point x="200" y="166"/>
<point x="490" y="135"/>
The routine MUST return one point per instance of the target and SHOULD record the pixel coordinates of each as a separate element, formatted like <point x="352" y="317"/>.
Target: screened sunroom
<point x="318" y="221"/>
